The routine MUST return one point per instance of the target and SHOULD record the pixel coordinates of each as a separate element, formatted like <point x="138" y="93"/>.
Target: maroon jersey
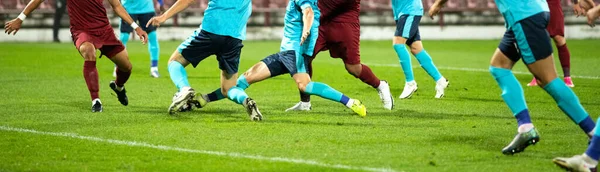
<point x="87" y="15"/>
<point x="339" y="11"/>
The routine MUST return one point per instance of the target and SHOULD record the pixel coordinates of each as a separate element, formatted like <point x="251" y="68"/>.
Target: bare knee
<point x="176" y="56"/>
<point x="88" y="51"/>
<point x="415" y="50"/>
<point x="302" y="85"/>
<point x="500" y="60"/>
<point x="354" y="69"/>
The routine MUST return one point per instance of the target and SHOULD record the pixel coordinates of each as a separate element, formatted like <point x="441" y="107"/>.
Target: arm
<point x="577" y="8"/>
<point x="15" y="24"/>
<point x="308" y="18"/>
<point x="121" y="12"/>
<point x="436" y="7"/>
<point x="179" y="6"/>
<point x="592" y="15"/>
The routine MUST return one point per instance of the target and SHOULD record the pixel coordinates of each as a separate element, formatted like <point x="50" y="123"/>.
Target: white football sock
<point x="525" y="127"/>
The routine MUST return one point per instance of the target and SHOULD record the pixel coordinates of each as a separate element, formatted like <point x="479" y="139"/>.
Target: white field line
<point x="477" y="70"/>
<point x="207" y="152"/>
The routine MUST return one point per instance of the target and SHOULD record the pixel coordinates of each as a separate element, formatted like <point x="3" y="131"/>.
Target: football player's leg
<point x="153" y="46"/>
<point x="425" y="60"/>
<point x="90" y="73"/>
<point x="404" y="25"/>
<point x="536" y="50"/>
<point x="501" y="64"/>
<point x="177" y="71"/>
<point x="588" y="161"/>
<point x="123" y="71"/>
<point x="565" y="58"/>
<point x="325" y="91"/>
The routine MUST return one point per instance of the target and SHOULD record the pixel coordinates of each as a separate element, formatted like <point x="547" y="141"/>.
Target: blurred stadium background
<point x="462" y="19"/>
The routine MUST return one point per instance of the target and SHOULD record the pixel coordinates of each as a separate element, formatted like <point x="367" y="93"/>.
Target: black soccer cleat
<point x="252" y="110"/>
<point x="521" y="141"/>
<point x="120" y="94"/>
<point x="97" y="106"/>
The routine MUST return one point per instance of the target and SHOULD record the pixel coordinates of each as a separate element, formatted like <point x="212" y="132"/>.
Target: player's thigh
<point x="507" y="53"/>
<point x="176" y="56"/>
<point x="556" y="24"/>
<point x="271" y="66"/>
<point x="406" y="29"/>
<point x="229" y="54"/>
<point x="121" y="59"/>
<point x="143" y="19"/>
<point x="196" y="48"/>
<point x="347" y="47"/>
<point x="532" y="39"/>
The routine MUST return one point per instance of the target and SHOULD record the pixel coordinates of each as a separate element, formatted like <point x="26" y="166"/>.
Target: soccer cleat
<point x="186" y="107"/>
<point x="359" y="108"/>
<point x="569" y="82"/>
<point x="576" y="163"/>
<point x="252" y="109"/>
<point x="300" y="106"/>
<point x="409" y="89"/>
<point x="521" y="141"/>
<point x="385" y="95"/>
<point x="181" y="98"/>
<point x="96" y="105"/>
<point x="154" y="72"/>
<point x="532" y="83"/>
<point x="198" y="101"/>
<point x="115" y="72"/>
<point x="440" y="87"/>
<point x="121" y="93"/>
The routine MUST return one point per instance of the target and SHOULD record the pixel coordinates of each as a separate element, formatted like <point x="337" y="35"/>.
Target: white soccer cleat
<point x="181" y="98"/>
<point x="115" y="72"/>
<point x="385" y="95"/>
<point x="576" y="163"/>
<point x="154" y="72"/>
<point x="300" y="106"/>
<point x="440" y="87"/>
<point x="409" y="89"/>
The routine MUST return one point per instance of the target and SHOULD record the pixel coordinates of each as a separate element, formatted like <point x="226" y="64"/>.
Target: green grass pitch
<point x="43" y="98"/>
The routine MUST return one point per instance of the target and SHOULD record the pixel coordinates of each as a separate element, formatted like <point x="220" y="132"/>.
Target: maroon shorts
<point x="556" y="26"/>
<point x="103" y="39"/>
<point x="341" y="39"/>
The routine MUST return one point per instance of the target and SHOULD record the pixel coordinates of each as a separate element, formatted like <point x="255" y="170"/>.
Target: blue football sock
<point x="178" y="75"/>
<point x="215" y="95"/>
<point x="237" y="95"/>
<point x="568" y="102"/>
<point x="124" y="38"/>
<point x="512" y="93"/>
<point x="593" y="149"/>
<point x="153" y="48"/>
<point x="242" y="82"/>
<point x="404" y="58"/>
<point x="427" y="64"/>
<point x="325" y="91"/>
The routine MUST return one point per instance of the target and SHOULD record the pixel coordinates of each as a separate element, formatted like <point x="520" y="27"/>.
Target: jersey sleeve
<point x="303" y="4"/>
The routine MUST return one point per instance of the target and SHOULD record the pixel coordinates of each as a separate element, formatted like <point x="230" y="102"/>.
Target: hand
<point x="13" y="25"/>
<point x="592" y="15"/>
<point x="142" y="34"/>
<point x="304" y="37"/>
<point x="578" y="10"/>
<point x="156" y="21"/>
<point x="162" y="9"/>
<point x="434" y="10"/>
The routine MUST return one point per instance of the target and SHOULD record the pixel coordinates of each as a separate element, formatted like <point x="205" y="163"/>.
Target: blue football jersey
<point x="409" y="7"/>
<point x="138" y="6"/>
<point x="292" y="30"/>
<point x="227" y="17"/>
<point x="516" y="10"/>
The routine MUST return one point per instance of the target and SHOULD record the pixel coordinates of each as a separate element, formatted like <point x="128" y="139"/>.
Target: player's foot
<point x="186" y="107"/>
<point x="521" y="141"/>
<point x="440" y="87"/>
<point x="409" y="89"/>
<point x="385" y="95"/>
<point x="569" y="82"/>
<point x="181" y="98"/>
<point x="96" y="105"/>
<point x="115" y="72"/>
<point x="199" y="100"/>
<point x="576" y="163"/>
<point x="252" y="109"/>
<point x="154" y="72"/>
<point x="300" y="106"/>
<point x="532" y="83"/>
<point x="121" y="93"/>
<point x="358" y="108"/>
